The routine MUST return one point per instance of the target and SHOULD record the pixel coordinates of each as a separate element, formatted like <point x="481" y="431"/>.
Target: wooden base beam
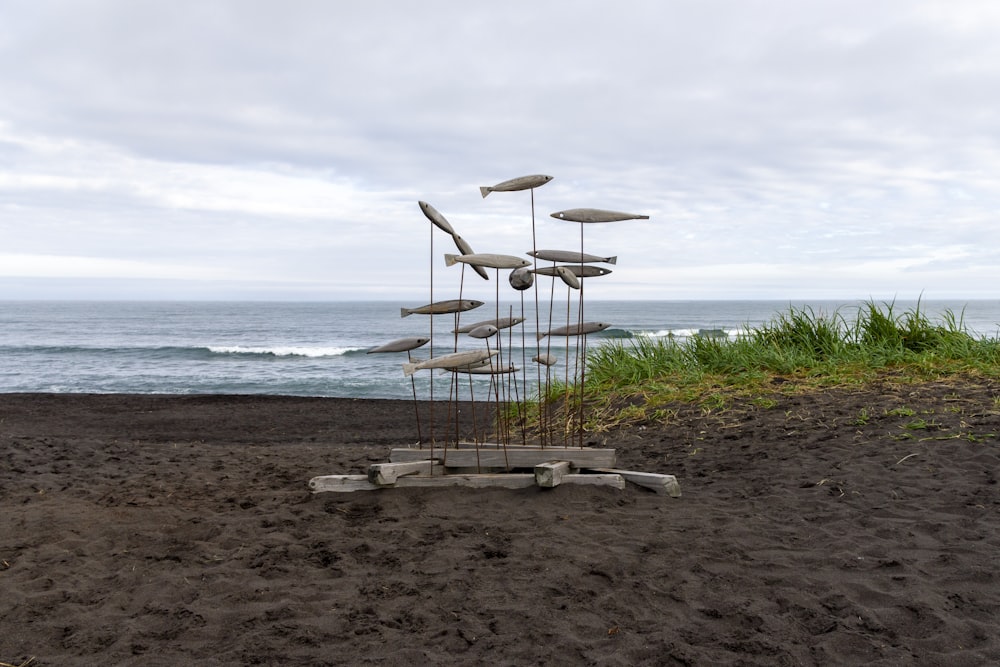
<point x="387" y="473"/>
<point x="666" y="484"/>
<point x="509" y="457"/>
<point x="349" y="483"/>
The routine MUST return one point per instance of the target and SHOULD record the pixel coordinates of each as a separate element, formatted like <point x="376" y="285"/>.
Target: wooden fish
<point x="519" y="183"/>
<point x="435" y="217"/>
<point x="489" y="259"/>
<point x="567" y="276"/>
<point x="465" y="249"/>
<point x="596" y="215"/>
<point x="484" y="331"/>
<point x="570" y="256"/>
<point x="448" y="360"/>
<point x="501" y="323"/>
<point x="576" y="329"/>
<point x="579" y="270"/>
<point x="440" y="307"/>
<point x="400" y="345"/>
<point x="546" y="359"/>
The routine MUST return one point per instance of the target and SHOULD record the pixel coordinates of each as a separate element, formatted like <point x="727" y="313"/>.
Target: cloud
<point x="776" y="145"/>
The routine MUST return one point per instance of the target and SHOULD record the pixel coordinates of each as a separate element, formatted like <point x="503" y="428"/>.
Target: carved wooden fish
<point x="576" y="329"/>
<point x="448" y="360"/>
<point x="579" y="270"/>
<point x="439" y="307"/>
<point x="567" y="276"/>
<point x="484" y="331"/>
<point x="519" y="183"/>
<point x="400" y="345"/>
<point x="435" y="217"/>
<point x="465" y="249"/>
<point x="501" y="323"/>
<point x="546" y="359"/>
<point x="489" y="259"/>
<point x="570" y="256"/>
<point x="596" y="215"/>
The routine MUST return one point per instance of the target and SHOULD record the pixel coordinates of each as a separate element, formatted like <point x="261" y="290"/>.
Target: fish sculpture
<point x="596" y="215"/>
<point x="578" y="270"/>
<point x="440" y="307"/>
<point x="434" y="216"/>
<point x="448" y="361"/>
<point x="492" y="260"/>
<point x="521" y="279"/>
<point x="567" y="276"/>
<point x="519" y="183"/>
<point x="400" y="345"/>
<point x="546" y="359"/>
<point x="465" y="249"/>
<point x="576" y="329"/>
<point x="484" y="331"/>
<point x="501" y="323"/>
<point x="570" y="256"/>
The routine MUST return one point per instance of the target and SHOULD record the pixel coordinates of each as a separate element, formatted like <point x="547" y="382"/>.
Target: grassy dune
<point x="798" y="350"/>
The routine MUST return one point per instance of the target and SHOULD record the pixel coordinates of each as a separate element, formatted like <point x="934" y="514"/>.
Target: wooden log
<point x="667" y="484"/>
<point x="387" y="473"/>
<point x="349" y="483"/>
<point x="550" y="473"/>
<point x="512" y="457"/>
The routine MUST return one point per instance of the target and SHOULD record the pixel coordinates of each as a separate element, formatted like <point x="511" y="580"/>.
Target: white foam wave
<point x="284" y="351"/>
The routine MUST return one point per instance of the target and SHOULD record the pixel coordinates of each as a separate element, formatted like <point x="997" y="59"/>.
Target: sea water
<point x="320" y="349"/>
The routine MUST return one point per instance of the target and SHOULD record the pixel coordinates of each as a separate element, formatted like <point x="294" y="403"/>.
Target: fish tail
<point x="613" y="260"/>
<point x="403" y="312"/>
<point x="409" y="369"/>
<point x="485" y="191"/>
<point x="449" y="260"/>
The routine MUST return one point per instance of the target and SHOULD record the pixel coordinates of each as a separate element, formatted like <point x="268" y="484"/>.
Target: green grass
<point x="798" y="350"/>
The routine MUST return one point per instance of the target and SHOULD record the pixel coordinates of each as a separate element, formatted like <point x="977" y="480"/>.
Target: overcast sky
<point x="246" y="149"/>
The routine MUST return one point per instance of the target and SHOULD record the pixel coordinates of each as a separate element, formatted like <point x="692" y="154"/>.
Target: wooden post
<point x="551" y="473"/>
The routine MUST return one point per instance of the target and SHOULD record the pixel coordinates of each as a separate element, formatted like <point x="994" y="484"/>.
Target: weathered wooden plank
<point x="349" y="483"/>
<point x="550" y="473"/>
<point x="667" y="484"/>
<point x="341" y="483"/>
<point x="616" y="481"/>
<point x="513" y="457"/>
<point x="388" y="473"/>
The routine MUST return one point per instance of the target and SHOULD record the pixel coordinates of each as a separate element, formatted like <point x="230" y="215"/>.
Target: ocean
<point x="319" y="349"/>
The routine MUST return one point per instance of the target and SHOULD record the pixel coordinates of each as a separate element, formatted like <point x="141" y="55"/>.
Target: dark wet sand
<point x="835" y="528"/>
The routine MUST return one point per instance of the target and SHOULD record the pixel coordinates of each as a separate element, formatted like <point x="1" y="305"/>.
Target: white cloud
<point x="776" y="145"/>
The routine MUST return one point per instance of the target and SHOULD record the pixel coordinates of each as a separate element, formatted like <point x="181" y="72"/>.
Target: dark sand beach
<point x="833" y="528"/>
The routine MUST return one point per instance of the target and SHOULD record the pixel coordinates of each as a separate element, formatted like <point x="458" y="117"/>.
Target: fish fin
<point x="613" y="260"/>
<point x="449" y="260"/>
<point x="403" y="312"/>
<point x="540" y="335"/>
<point x="485" y="191"/>
<point x="409" y="369"/>
<point x="482" y="272"/>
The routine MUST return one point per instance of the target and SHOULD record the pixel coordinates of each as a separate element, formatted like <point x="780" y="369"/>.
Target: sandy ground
<point x="835" y="528"/>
